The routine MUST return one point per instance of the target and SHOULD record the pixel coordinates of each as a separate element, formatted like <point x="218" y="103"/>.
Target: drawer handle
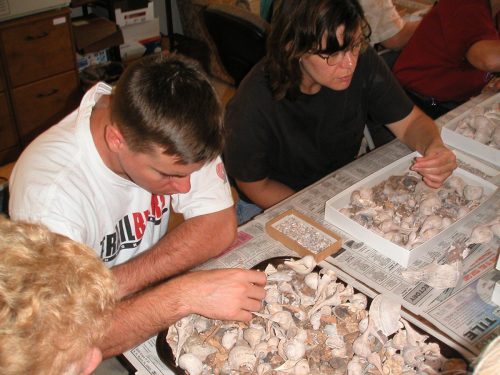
<point x="39" y="36"/>
<point x="45" y="94"/>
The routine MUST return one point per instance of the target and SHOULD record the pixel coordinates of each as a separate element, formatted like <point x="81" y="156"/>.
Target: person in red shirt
<point x="451" y="56"/>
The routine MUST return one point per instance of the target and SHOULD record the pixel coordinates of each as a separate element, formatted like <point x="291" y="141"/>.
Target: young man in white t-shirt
<point x="106" y="175"/>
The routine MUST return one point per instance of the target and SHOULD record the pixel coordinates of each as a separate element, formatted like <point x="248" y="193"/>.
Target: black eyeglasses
<point x="337" y="57"/>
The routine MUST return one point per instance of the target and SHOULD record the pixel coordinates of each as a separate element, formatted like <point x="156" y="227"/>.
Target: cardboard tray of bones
<point x="394" y="196"/>
<point x="310" y="323"/>
<point x="477" y="131"/>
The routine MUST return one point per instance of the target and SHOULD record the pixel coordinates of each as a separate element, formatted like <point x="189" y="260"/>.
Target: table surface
<point x="144" y="357"/>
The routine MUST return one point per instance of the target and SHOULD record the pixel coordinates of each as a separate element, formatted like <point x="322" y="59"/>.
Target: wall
<point x="159" y="6"/>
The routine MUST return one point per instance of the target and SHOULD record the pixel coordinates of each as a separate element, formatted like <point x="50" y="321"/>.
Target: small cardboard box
<point x="93" y="34"/>
<point x="128" y="12"/>
<point x="395" y="252"/>
<point x="468" y="145"/>
<point x="133" y="50"/>
<point x="141" y="31"/>
<point x="326" y="242"/>
<point x="130" y="17"/>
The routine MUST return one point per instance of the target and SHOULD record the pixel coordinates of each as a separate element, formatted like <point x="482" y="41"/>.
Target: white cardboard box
<point x="134" y="50"/>
<point x="495" y="297"/>
<point x="469" y="145"/>
<point x="141" y="38"/>
<point x="134" y="16"/>
<point x="397" y="253"/>
<point x="141" y="31"/>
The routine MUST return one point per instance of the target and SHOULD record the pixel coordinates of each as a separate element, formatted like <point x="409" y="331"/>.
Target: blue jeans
<point x="246" y="211"/>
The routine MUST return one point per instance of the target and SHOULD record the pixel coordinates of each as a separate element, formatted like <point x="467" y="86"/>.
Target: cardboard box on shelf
<point x="128" y="12"/>
<point x="135" y="49"/>
<point x="93" y="34"/>
<point x="140" y="39"/>
<point x="125" y="18"/>
<point x="141" y="31"/>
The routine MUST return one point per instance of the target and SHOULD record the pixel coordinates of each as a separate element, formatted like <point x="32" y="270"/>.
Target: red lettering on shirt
<point x="139" y="224"/>
<point x="155" y="206"/>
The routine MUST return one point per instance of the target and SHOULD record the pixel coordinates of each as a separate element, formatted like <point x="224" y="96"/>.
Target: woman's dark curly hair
<point x="298" y="27"/>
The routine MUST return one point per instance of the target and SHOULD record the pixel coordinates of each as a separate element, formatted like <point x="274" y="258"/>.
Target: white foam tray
<point x="397" y="253"/>
<point x="469" y="145"/>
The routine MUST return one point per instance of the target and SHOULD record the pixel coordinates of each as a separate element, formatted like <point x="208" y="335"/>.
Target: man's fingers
<point x="251" y="305"/>
<point x="256" y="292"/>
<point x="256" y="277"/>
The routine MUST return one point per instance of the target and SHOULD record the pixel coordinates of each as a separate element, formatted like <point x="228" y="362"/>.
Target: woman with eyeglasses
<point x="300" y="113"/>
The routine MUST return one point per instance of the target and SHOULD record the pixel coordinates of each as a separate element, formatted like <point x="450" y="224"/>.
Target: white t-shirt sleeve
<point x="210" y="192"/>
<point x="59" y="215"/>
<point x="383" y="18"/>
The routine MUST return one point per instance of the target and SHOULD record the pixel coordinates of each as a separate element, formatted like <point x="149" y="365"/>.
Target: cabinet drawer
<point x="2" y="85"/>
<point x="38" y="49"/>
<point x="8" y="134"/>
<point x="40" y="105"/>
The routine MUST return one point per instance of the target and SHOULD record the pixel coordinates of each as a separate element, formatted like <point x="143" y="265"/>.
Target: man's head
<point x="166" y="123"/>
<point x="167" y="102"/>
<point x="56" y="297"/>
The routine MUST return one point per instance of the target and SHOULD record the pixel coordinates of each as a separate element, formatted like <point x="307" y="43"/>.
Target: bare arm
<point x="485" y="55"/>
<point x="420" y="133"/>
<point x="400" y="39"/>
<point x="228" y="294"/>
<point x="493" y="86"/>
<point x="265" y="193"/>
<point x="191" y="243"/>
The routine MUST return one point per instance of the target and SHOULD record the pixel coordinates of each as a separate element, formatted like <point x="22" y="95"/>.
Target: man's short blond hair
<point x="56" y="297"/>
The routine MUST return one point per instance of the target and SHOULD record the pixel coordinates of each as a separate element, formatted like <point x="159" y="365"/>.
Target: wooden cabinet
<point x="9" y="141"/>
<point x="40" y="80"/>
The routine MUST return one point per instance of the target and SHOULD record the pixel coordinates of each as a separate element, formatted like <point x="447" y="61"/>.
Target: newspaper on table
<point x="373" y="273"/>
<point x="462" y="317"/>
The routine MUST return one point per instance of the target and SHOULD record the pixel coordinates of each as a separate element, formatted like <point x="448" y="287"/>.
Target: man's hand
<point x="436" y="166"/>
<point x="227" y="294"/>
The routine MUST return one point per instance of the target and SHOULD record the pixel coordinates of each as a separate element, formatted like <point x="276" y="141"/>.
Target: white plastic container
<point x="397" y="253"/>
<point x="469" y="145"/>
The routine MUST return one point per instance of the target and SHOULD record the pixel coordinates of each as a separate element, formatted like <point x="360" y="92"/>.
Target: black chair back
<point x="239" y="36"/>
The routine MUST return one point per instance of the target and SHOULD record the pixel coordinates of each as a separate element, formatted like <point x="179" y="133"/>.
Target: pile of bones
<point x="482" y="124"/>
<point x="310" y="323"/>
<point x="405" y="211"/>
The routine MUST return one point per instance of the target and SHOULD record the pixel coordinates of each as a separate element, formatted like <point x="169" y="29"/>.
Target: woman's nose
<point x="348" y="60"/>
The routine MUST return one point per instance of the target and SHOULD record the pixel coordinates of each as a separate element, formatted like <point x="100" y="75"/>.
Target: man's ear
<point x="114" y="137"/>
<point x="92" y="360"/>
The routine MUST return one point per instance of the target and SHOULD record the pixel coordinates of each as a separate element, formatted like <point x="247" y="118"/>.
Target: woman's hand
<point x="436" y="165"/>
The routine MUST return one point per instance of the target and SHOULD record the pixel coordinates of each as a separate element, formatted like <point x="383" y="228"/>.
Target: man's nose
<point x="183" y="184"/>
